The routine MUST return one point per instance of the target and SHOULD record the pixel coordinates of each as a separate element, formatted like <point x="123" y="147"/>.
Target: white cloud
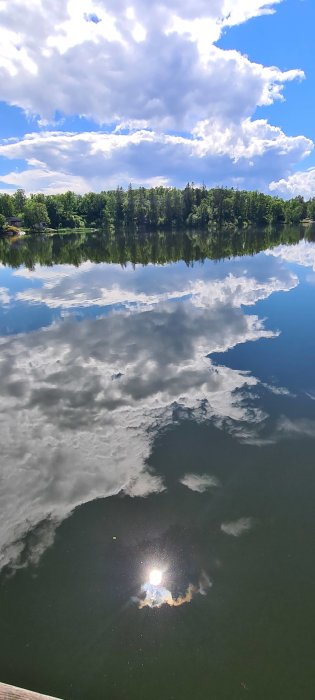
<point x="147" y="65"/>
<point x="150" y="69"/>
<point x="248" y="139"/>
<point x="299" y="183"/>
<point x="215" y="152"/>
<point x="44" y="180"/>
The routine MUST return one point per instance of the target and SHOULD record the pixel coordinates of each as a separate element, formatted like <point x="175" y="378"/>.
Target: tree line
<point x="166" y="208"/>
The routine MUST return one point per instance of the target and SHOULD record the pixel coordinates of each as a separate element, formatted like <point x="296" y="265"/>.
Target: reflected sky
<point x="82" y="402"/>
<point x="137" y="402"/>
<point x="89" y="397"/>
<point x="93" y="290"/>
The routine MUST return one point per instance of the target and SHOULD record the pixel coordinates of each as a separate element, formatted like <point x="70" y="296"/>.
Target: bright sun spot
<point x="155" y="577"/>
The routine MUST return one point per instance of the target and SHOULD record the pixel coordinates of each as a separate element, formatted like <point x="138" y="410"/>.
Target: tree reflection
<point x="159" y="247"/>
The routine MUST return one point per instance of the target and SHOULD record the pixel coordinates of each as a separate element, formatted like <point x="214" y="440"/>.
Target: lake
<point x="157" y="502"/>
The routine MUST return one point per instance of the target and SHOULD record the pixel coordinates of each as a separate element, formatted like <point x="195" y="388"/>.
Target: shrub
<point x="11" y="230"/>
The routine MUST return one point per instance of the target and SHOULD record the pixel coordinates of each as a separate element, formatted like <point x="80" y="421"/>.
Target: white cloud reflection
<point x="72" y="433"/>
<point x="81" y="403"/>
<point x="301" y="254"/>
<point x="156" y="596"/>
<point x="236" y="528"/>
<point x="68" y="287"/>
<point x="5" y="297"/>
<point x="199" y="482"/>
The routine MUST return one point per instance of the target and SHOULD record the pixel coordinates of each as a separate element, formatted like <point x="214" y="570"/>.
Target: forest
<point x="165" y="208"/>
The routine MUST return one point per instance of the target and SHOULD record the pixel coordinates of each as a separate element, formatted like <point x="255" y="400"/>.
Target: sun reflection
<point x="155" y="577"/>
<point x="154" y="594"/>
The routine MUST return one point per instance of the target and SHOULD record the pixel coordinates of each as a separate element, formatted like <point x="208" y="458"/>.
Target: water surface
<point x="158" y="416"/>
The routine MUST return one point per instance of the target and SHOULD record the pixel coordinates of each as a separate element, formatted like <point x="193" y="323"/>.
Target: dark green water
<point x="158" y="416"/>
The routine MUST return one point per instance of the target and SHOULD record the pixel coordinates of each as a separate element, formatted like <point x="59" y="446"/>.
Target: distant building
<point x="14" y="221"/>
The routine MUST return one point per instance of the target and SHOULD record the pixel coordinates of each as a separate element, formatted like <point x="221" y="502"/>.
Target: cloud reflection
<point x="67" y="287"/>
<point x="70" y="433"/>
<point x="199" y="483"/>
<point x="302" y="253"/>
<point x="81" y="403"/>
<point x="156" y="596"/>
<point x="237" y="527"/>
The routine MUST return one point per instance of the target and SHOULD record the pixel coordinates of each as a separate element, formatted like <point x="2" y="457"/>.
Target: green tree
<point x="188" y="201"/>
<point x="35" y="215"/>
<point x="178" y="208"/>
<point x="168" y="209"/>
<point x="141" y="208"/>
<point x="19" y="199"/>
<point x="6" y="205"/>
<point x="311" y="209"/>
<point x="119" y="207"/>
<point x="153" y="209"/>
<point x="107" y="222"/>
<point x="296" y="210"/>
<point x="54" y="207"/>
<point x="275" y="210"/>
<point x="130" y="208"/>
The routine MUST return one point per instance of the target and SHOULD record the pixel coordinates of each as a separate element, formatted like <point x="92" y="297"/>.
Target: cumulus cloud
<point x="298" y="183"/>
<point x="129" y="61"/>
<point x="217" y="153"/>
<point x="144" y="71"/>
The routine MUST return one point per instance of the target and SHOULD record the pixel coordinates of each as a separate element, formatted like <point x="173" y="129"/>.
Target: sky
<point x="100" y="93"/>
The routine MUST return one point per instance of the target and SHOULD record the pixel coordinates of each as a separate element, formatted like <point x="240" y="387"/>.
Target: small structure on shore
<point x="14" y="221"/>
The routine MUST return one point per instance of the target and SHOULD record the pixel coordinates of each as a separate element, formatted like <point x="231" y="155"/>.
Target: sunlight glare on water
<point x="155" y="577"/>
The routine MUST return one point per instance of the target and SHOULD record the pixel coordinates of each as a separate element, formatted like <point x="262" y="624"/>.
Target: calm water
<point x="158" y="417"/>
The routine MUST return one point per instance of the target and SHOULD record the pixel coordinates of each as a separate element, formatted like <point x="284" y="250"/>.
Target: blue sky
<point x="96" y="94"/>
<point x="286" y="39"/>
